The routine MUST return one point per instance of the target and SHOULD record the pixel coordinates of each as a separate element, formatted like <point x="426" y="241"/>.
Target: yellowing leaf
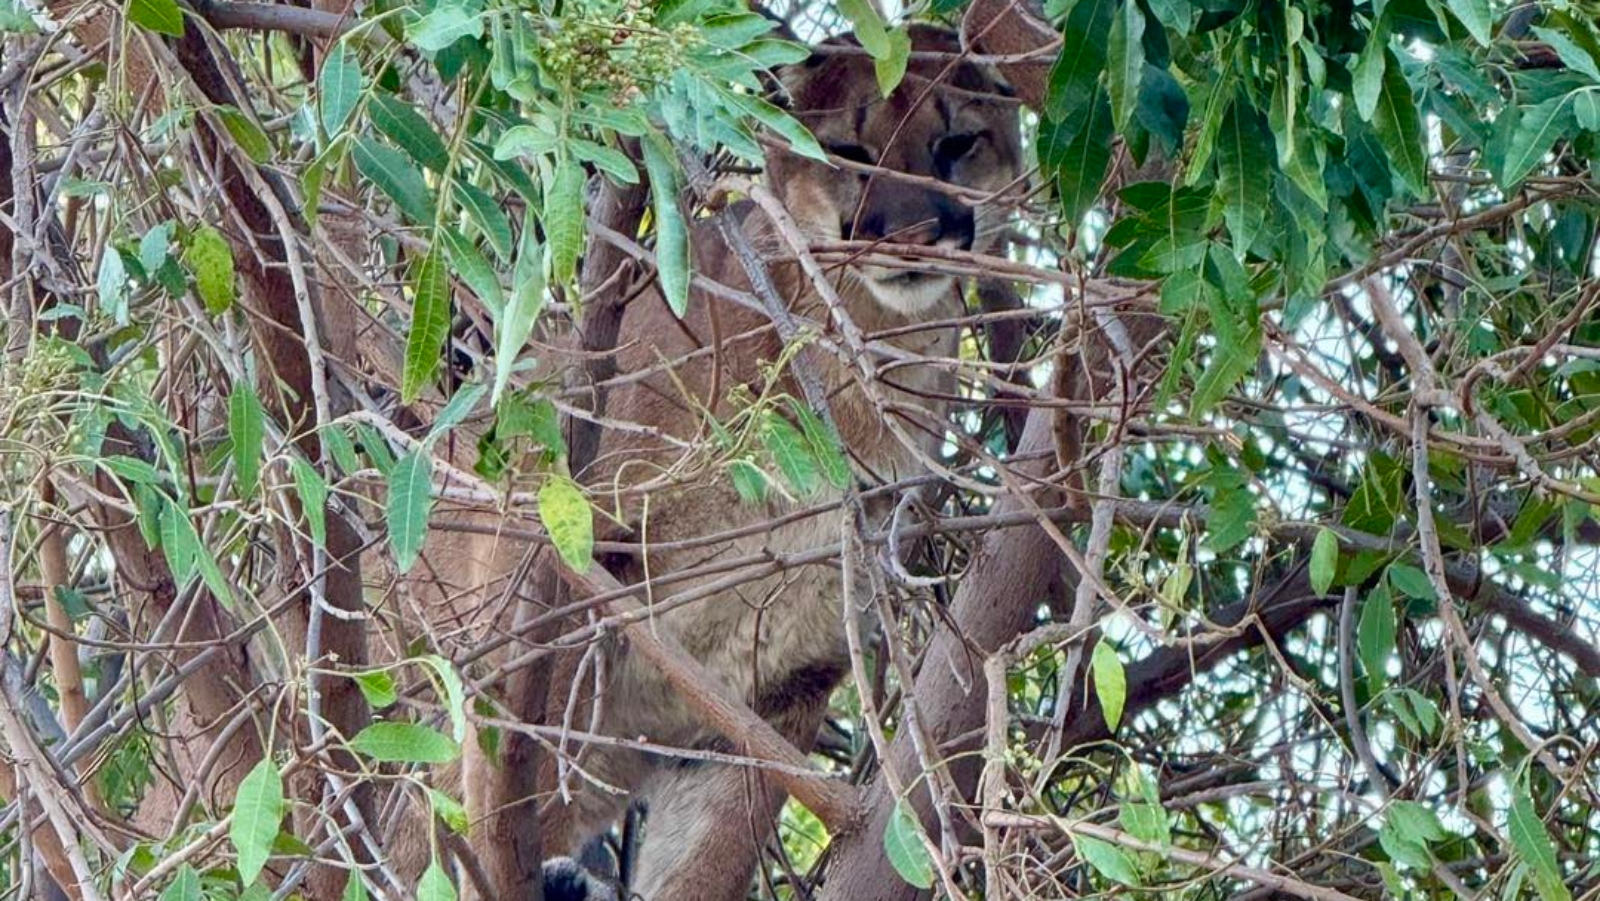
<point x="1110" y="682"/>
<point x="565" y="513"/>
<point x="211" y="260"/>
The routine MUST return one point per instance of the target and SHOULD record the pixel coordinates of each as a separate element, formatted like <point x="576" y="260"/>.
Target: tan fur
<point x="777" y="642"/>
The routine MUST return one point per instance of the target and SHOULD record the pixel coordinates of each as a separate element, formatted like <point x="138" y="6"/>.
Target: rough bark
<point x="1011" y="572"/>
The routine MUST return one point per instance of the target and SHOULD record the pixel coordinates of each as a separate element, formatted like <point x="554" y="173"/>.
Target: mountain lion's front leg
<point x="708" y="822"/>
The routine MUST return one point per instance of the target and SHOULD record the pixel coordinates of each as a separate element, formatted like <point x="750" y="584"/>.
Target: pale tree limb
<point x="30" y="772"/>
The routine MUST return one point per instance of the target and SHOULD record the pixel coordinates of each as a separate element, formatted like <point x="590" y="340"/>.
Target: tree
<point x="1271" y="567"/>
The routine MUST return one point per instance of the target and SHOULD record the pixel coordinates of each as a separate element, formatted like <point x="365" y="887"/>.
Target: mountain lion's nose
<point x="914" y="218"/>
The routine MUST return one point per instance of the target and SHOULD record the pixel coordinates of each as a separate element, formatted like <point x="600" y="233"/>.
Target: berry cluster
<point x="614" y="49"/>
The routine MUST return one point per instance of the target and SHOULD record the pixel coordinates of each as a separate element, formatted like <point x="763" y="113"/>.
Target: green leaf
<point x="792" y="455"/>
<point x="1532" y="844"/>
<point x="1475" y="15"/>
<point x="160" y="16"/>
<point x="1244" y="175"/>
<point x="1572" y="56"/>
<point x="313" y="177"/>
<point x="1398" y="126"/>
<point x="890" y="68"/>
<point x="1232" y="518"/>
<point x="339" y="87"/>
<point x="435" y="885"/>
<point x="246" y="133"/>
<point x="430" y="325"/>
<point x="1110" y="861"/>
<point x="404" y="743"/>
<point x="210" y="258"/>
<point x="1537" y="130"/>
<point x="1141" y="813"/>
<point x="824" y="444"/>
<point x="1229" y="363"/>
<point x="785" y="126"/>
<point x="749" y="482"/>
<point x="609" y="160"/>
<point x="179" y="541"/>
<point x="455" y="692"/>
<point x="410" y="499"/>
<point x="112" y="284"/>
<point x="401" y="123"/>
<point x="672" y="233"/>
<point x="186" y="554"/>
<point x="474" y="270"/>
<point x="185" y="886"/>
<point x="257" y="813"/>
<point x="1375" y="636"/>
<point x="485" y="213"/>
<point x="1416" y="711"/>
<point x="1163" y="108"/>
<point x="1083" y="163"/>
<point x="1110" y="682"/>
<point x="515" y="323"/>
<point x="16" y="18"/>
<point x="448" y="23"/>
<point x="565" y="513"/>
<point x="338" y="446"/>
<point x="868" y="25"/>
<point x="1408" y="829"/>
<point x="354" y="889"/>
<point x="75" y="603"/>
<point x="133" y="469"/>
<point x="247" y="429"/>
<point x="153" y="247"/>
<point x="1324" y="560"/>
<point x="563" y="220"/>
<point x="1075" y="77"/>
<point x="395" y="176"/>
<point x="377" y="686"/>
<point x="526" y="140"/>
<point x="1586" y="109"/>
<point x="1366" y="80"/>
<point x="1412" y="582"/>
<point x="456" y="411"/>
<point x="313" y="490"/>
<point x="1125" y="65"/>
<point x="904" y="846"/>
<point x="449" y="811"/>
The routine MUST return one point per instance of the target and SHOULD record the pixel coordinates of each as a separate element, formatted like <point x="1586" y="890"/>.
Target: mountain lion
<point x="779" y="641"/>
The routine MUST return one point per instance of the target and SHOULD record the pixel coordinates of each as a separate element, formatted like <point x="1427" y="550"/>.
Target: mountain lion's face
<point x="952" y="123"/>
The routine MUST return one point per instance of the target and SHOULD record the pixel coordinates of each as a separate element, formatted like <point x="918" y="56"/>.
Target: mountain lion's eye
<point x="853" y="152"/>
<point x="953" y="149"/>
